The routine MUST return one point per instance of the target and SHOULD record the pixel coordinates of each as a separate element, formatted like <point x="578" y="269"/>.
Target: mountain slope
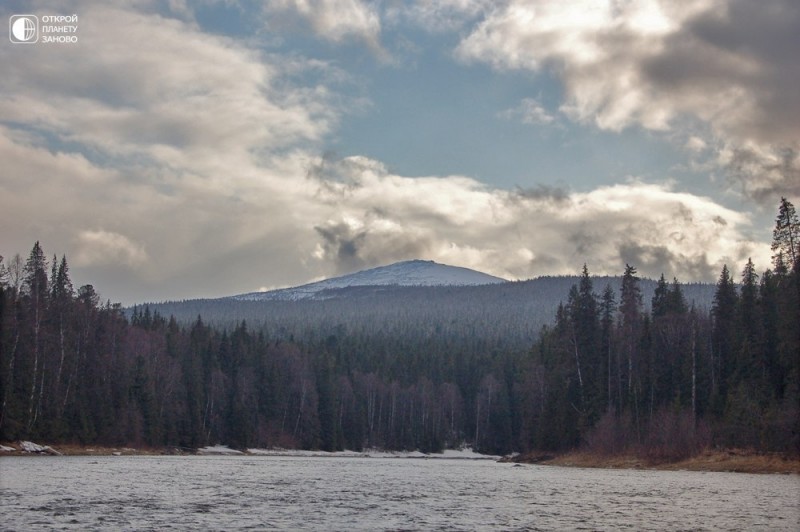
<point x="413" y="319"/>
<point x="407" y="273"/>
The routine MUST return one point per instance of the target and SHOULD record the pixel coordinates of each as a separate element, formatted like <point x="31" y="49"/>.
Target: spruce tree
<point x="61" y="289"/>
<point x="749" y="317"/>
<point x="786" y="257"/>
<point x="34" y="281"/>
<point x="630" y="325"/>
<point x="608" y="306"/>
<point x="723" y="336"/>
<point x="786" y="236"/>
<point x="34" y="289"/>
<point x="676" y="303"/>
<point x="660" y="302"/>
<point x="586" y="341"/>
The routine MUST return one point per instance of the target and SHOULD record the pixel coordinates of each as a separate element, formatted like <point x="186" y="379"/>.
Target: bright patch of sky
<point x="197" y="149"/>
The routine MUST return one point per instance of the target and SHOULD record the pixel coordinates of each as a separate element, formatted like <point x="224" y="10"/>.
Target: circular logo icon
<point x="23" y="28"/>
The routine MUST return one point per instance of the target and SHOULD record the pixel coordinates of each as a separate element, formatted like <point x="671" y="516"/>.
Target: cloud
<point x="660" y="65"/>
<point x="529" y="111"/>
<point x="100" y="248"/>
<point x="168" y="174"/>
<point x="544" y="193"/>
<point x="696" y="144"/>
<point x="352" y="244"/>
<point x="437" y="15"/>
<point x="181" y="154"/>
<point x="381" y="217"/>
<point x="129" y="89"/>
<point x="336" y="20"/>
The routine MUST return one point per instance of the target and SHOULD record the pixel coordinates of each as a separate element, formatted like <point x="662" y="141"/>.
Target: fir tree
<point x="608" y="306"/>
<point x="630" y="308"/>
<point x="786" y="237"/>
<point x="724" y="334"/>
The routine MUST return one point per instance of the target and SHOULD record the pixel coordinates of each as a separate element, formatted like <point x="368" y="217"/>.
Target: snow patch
<point x="468" y="454"/>
<point x="30" y="447"/>
<point x="218" y="449"/>
<point x="5" y="449"/>
<point x="408" y="273"/>
<point x="449" y="454"/>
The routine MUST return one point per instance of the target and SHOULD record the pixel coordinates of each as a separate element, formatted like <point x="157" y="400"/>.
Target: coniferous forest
<point x="612" y="373"/>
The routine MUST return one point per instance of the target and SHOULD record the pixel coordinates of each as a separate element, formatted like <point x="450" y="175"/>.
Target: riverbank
<point x="29" y="448"/>
<point x="26" y="448"/>
<point x="727" y="460"/>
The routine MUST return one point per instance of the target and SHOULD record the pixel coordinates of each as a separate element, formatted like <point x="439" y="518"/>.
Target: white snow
<point x="450" y="454"/>
<point x="30" y="447"/>
<point x="407" y="273"/>
<point x="468" y="454"/>
<point x="5" y="449"/>
<point x="218" y="449"/>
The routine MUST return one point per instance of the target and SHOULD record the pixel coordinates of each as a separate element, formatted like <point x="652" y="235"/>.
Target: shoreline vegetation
<point x="716" y="460"/>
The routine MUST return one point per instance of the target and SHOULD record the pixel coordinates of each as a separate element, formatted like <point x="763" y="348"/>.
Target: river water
<point x="345" y="493"/>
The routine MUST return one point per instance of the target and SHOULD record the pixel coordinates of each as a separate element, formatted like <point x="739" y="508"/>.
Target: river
<point x="346" y="493"/>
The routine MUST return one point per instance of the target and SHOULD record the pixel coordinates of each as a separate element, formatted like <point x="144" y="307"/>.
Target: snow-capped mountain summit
<point x="407" y="273"/>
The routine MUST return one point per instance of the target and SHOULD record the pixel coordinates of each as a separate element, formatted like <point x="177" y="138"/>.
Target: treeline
<point x="612" y="372"/>
<point x="75" y="370"/>
<point x="673" y="380"/>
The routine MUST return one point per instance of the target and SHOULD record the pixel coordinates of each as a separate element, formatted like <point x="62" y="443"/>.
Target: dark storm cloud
<point x="765" y="178"/>
<point x="341" y="245"/>
<point x="659" y="259"/>
<point x="544" y="193"/>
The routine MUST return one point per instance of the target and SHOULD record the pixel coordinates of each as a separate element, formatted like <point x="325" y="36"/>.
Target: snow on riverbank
<point x="223" y="450"/>
<point x="218" y="449"/>
<point x="30" y="447"/>
<point x="449" y="454"/>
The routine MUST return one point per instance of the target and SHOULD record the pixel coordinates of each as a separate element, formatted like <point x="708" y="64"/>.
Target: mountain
<point x="473" y="318"/>
<point x="407" y="273"/>
<point x="414" y="307"/>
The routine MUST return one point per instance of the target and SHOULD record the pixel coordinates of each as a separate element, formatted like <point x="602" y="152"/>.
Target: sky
<point x="203" y="149"/>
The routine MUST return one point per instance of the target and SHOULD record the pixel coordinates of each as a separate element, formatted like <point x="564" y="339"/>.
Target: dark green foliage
<point x="786" y="238"/>
<point x="723" y="339"/>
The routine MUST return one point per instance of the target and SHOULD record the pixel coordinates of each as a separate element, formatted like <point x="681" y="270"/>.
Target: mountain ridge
<point x="404" y="273"/>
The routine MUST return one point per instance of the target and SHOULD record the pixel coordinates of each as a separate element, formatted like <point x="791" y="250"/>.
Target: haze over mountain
<point x="406" y="273"/>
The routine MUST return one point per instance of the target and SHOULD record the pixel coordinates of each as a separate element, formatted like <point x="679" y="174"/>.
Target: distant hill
<point x="403" y="303"/>
<point x="407" y="273"/>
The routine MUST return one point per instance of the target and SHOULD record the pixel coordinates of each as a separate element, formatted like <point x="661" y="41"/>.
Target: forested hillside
<point x="611" y="367"/>
<point x="509" y="315"/>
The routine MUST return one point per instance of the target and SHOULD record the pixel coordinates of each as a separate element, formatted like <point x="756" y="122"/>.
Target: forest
<point x="608" y="371"/>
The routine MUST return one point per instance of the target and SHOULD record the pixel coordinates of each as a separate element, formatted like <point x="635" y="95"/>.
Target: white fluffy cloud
<point x="98" y="248"/>
<point x="336" y="20"/>
<point x="382" y="217"/>
<point x="130" y="89"/>
<point x="657" y="64"/>
<point x="529" y="111"/>
<point x="125" y="133"/>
